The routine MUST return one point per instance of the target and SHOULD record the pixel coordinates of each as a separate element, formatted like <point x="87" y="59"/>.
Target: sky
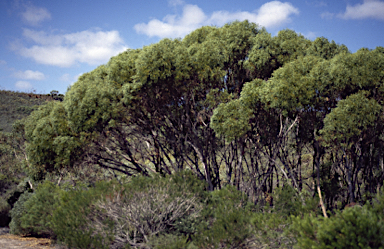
<point x="46" y="45"/>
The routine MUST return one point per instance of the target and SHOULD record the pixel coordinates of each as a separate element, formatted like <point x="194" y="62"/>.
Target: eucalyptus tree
<point x="347" y="127"/>
<point x="51" y="145"/>
<point x="230" y="103"/>
<point x="354" y="127"/>
<point x="285" y="108"/>
<point x="148" y="110"/>
<point x="177" y="76"/>
<point x="270" y="53"/>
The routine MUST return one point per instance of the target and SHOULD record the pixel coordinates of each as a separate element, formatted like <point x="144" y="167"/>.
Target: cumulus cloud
<point x="368" y="9"/>
<point x="64" y="50"/>
<point x="275" y="13"/>
<point x="172" y="25"/>
<point x="29" y="75"/>
<point x="23" y="85"/>
<point x="35" y="15"/>
<point x="270" y="15"/>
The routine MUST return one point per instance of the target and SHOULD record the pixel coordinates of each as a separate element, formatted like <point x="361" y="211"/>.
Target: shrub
<point x="70" y="220"/>
<point x="227" y="215"/>
<point x="287" y="201"/>
<point x="271" y="230"/>
<point x="40" y="208"/>
<point x="355" y="227"/>
<point x="17" y="213"/>
<point x="170" y="241"/>
<point x="147" y="208"/>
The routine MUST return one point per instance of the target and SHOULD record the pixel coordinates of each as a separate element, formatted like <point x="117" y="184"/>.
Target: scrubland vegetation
<point x="227" y="138"/>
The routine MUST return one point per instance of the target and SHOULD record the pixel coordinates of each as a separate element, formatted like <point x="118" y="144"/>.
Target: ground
<point x="10" y="241"/>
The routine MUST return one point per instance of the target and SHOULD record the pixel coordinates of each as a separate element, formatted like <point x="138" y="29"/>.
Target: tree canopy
<point x="233" y="104"/>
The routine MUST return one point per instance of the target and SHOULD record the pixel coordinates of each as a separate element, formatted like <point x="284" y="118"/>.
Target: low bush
<point x="71" y="221"/>
<point x="355" y="227"/>
<point x="17" y="212"/>
<point x="40" y="208"/>
<point x="271" y="230"/>
<point x="147" y="209"/>
<point x="226" y="221"/>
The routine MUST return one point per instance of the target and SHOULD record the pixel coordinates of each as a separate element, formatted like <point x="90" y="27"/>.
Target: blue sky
<point x="46" y="44"/>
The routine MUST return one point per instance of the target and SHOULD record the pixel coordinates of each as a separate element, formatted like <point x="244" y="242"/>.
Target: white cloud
<point x="172" y="25"/>
<point x="23" y="85"/>
<point x="275" y="13"/>
<point x="368" y="9"/>
<point x="269" y="15"/>
<point x="29" y="75"/>
<point x="64" y="50"/>
<point x="2" y="62"/>
<point x="35" y="15"/>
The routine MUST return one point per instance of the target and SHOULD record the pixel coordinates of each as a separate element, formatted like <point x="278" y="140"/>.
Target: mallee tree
<point x="232" y="104"/>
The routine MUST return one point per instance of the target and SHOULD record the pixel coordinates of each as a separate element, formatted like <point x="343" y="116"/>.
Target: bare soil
<point x="10" y="241"/>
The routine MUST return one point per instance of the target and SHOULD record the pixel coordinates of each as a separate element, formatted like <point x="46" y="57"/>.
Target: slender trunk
<point x="206" y="169"/>
<point x="317" y="162"/>
<point x="350" y="181"/>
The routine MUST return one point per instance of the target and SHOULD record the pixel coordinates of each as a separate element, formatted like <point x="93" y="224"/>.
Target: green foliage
<point x="51" y="144"/>
<point x="231" y="119"/>
<point x="269" y="53"/>
<point x="70" y="221"/>
<point x="134" y="214"/>
<point x="271" y="230"/>
<point x="227" y="221"/>
<point x="377" y="203"/>
<point x="287" y="201"/>
<point x="147" y="209"/>
<point x="17" y="212"/>
<point x="268" y="101"/>
<point x="323" y="48"/>
<point x="355" y="227"/>
<point x="40" y="208"/>
<point x="352" y="116"/>
<point x="170" y="241"/>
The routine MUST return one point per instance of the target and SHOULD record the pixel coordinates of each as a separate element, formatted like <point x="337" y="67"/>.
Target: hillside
<point x="18" y="105"/>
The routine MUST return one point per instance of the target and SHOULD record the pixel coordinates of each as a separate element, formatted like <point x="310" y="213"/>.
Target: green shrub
<point x="227" y="215"/>
<point x="17" y="212"/>
<point x="377" y="205"/>
<point x="70" y="220"/>
<point x="271" y="230"/>
<point x="287" y="201"/>
<point x="40" y="208"/>
<point x="170" y="241"/>
<point x="355" y="227"/>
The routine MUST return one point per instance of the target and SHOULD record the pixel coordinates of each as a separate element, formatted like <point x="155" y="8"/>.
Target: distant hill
<point x="18" y="105"/>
